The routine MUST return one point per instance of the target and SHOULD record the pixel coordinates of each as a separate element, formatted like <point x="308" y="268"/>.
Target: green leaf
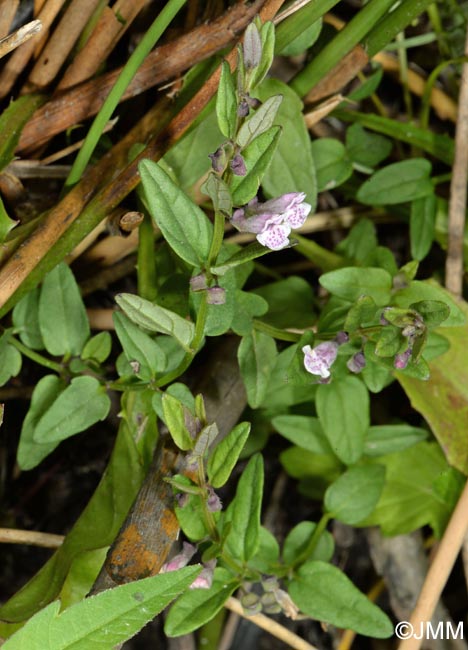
<point x="324" y="593"/>
<point x="12" y="122"/>
<point x="250" y="252"/>
<point x="30" y="452"/>
<point x="98" y="347"/>
<point x="26" y="320"/>
<point x="145" y="355"/>
<point x="10" y="359"/>
<point x="257" y="157"/>
<point x="81" y="404"/>
<point x="96" y="527"/>
<point x="298" y="539"/>
<point x="191" y="516"/>
<point x="389" y="438"/>
<point x="352" y="282"/>
<point x="62" y="315"/>
<point x="367" y="87"/>
<point x="267" y="36"/>
<point x="304" y="431"/>
<point x="422" y="225"/>
<point x="111" y="617"/>
<point x="360" y="243"/>
<point x="198" y="606"/>
<point x="244" y="511"/>
<point x="174" y="418"/>
<point x="429" y="290"/>
<point x="257" y="356"/>
<point x="226" y="102"/>
<point x="267" y="556"/>
<point x="260" y="122"/>
<point x="225" y="455"/>
<point x="354" y="495"/>
<point x="305" y="40"/>
<point x="331" y="163"/>
<point x="6" y="224"/>
<point x="434" y="312"/>
<point x="188" y="158"/>
<point x="408" y="501"/>
<point x="292" y="167"/>
<point x="438" y="145"/>
<point x="389" y="342"/>
<point x="156" y="319"/>
<point x="247" y="307"/>
<point x="291" y="303"/>
<point x="343" y="410"/>
<point x="443" y="399"/>
<point x="364" y="148"/>
<point x="363" y="311"/>
<point x="219" y="193"/>
<point x="185" y="227"/>
<point x="399" y="182"/>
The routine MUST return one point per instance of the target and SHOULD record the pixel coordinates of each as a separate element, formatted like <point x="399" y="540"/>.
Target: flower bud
<point x="402" y="359"/>
<point x="216" y="296"/>
<point x="251" y="604"/>
<point x="198" y="282"/>
<point x="341" y="337"/>
<point x="357" y="362"/>
<point x="252" y="47"/>
<point x="238" y="165"/>
<point x="214" y="503"/>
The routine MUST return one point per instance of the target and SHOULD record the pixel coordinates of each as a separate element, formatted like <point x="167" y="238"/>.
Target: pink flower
<point x="318" y="360"/>
<point x="204" y="579"/>
<point x="180" y="560"/>
<point x="273" y="220"/>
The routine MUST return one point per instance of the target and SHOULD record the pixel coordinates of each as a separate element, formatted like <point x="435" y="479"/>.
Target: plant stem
<point x="384" y="31"/>
<point x="35" y="356"/>
<point x="316" y="535"/>
<point x="216" y="242"/>
<point x="195" y="344"/>
<point x="426" y="96"/>
<point x="141" y="51"/>
<point x="276" y="332"/>
<point x="146" y="262"/>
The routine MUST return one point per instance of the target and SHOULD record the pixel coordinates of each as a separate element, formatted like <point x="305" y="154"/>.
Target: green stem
<point x="216" y="242"/>
<point x="35" y="356"/>
<point x="318" y="255"/>
<point x="294" y="25"/>
<point x="141" y="51"/>
<point x="403" y="60"/>
<point x="316" y="535"/>
<point x="383" y="32"/>
<point x="195" y="344"/>
<point x="146" y="260"/>
<point x="340" y="46"/>
<point x="426" y="96"/>
<point x="276" y="332"/>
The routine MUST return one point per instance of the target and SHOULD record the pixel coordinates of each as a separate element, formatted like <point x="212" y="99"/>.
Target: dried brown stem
<point x="8" y="10"/>
<point x="457" y="203"/>
<point x="164" y="63"/>
<point x="60" y="44"/>
<point x="19" y="59"/>
<point x="19" y="37"/>
<point x="31" y="537"/>
<point x="110" y="28"/>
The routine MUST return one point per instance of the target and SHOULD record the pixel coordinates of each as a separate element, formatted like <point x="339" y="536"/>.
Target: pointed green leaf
<point x="260" y="122"/>
<point x="62" y="315"/>
<point x="219" y="193"/>
<point x="244" y="511"/>
<point x="304" y="431"/>
<point x="224" y="457"/>
<point x="298" y="538"/>
<point x="26" y="320"/>
<point x="98" y="347"/>
<point x="352" y="282"/>
<point x="343" y="410"/>
<point x="139" y="348"/>
<point x="422" y="225"/>
<point x="156" y="319"/>
<point x="174" y="418"/>
<point x="257" y="156"/>
<point x="389" y="438"/>
<point x="354" y="495"/>
<point x="226" y="102"/>
<point x="185" y="227"/>
<point x="102" y="621"/>
<point x="324" y="593"/>
<point x="198" y="606"/>
<point x="10" y="359"/>
<point x="257" y="357"/>
<point x="81" y="404"/>
<point x="30" y="452"/>
<point x="6" y="224"/>
<point x="397" y="183"/>
<point x="12" y="122"/>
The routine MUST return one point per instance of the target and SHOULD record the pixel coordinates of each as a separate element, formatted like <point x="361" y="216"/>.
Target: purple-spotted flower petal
<point x="273" y="220"/>
<point x="275" y="237"/>
<point x="318" y="360"/>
